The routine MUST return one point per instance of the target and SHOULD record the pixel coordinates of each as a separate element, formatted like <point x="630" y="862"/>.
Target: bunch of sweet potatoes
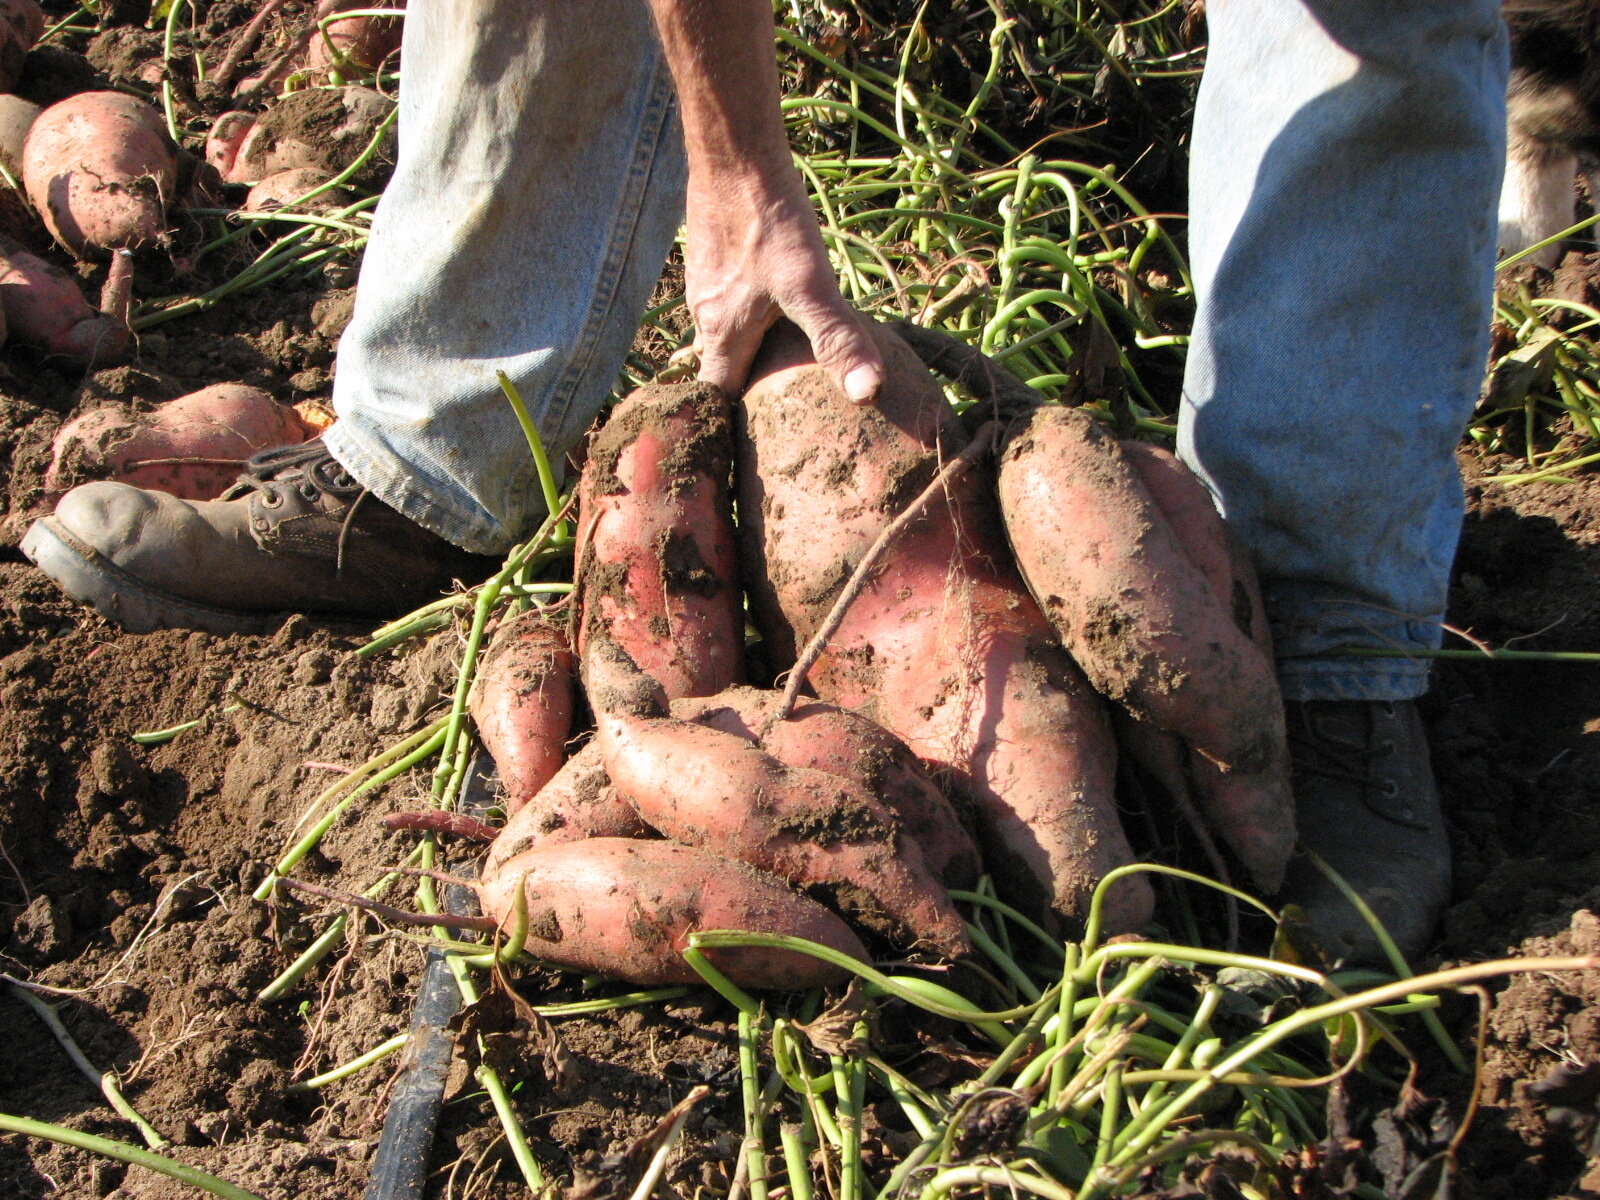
<point x="974" y="668"/>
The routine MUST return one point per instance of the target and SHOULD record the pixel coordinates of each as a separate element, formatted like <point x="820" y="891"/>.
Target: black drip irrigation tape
<point x="400" y="1166"/>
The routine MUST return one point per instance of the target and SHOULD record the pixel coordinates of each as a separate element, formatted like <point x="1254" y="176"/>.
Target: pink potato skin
<point x="626" y="908"/>
<point x="216" y="429"/>
<point x="228" y="134"/>
<point x="656" y="562"/>
<point x="282" y="188"/>
<point x="1138" y="616"/>
<point x="1254" y="811"/>
<point x="100" y="169"/>
<point x="944" y="648"/>
<point x="43" y="307"/>
<point x="522" y="704"/>
<point x="365" y="41"/>
<point x="700" y="786"/>
<point x="823" y="737"/>
<point x="578" y="802"/>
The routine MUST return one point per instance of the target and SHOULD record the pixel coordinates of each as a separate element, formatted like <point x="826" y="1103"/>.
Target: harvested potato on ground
<point x="192" y="447"/>
<point x="44" y="307"/>
<point x="364" y="41"/>
<point x="944" y="648"/>
<point x="826" y="833"/>
<point x="578" y="802"/>
<point x="16" y="118"/>
<point x="228" y="134"/>
<point x="655" y="556"/>
<point x="324" y="129"/>
<point x="1253" y="810"/>
<point x="824" y="737"/>
<point x="101" y="170"/>
<point x="521" y="703"/>
<point x="626" y="908"/>
<point x="284" y="188"/>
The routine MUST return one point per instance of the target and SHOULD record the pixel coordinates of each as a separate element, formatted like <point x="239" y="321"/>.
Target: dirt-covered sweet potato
<point x="578" y="802"/>
<point x="192" y="447"/>
<point x="824" y="737"/>
<point x="1136" y="613"/>
<point x="363" y="41"/>
<point x="656" y="561"/>
<point x="826" y="833"/>
<point x="44" y="307"/>
<point x="101" y="170"/>
<point x="324" y="129"/>
<point x="1252" y="810"/>
<point x="944" y="648"/>
<point x="626" y="908"/>
<point x="283" y="188"/>
<point x="228" y="135"/>
<point x="522" y="702"/>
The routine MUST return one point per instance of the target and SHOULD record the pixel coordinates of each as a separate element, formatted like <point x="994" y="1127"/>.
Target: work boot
<point x="1365" y="800"/>
<point x="295" y="533"/>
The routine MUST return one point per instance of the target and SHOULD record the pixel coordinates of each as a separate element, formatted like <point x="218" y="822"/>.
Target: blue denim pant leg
<point x="538" y="187"/>
<point x="1346" y="163"/>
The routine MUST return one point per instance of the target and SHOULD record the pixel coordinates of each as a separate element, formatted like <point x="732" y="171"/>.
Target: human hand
<point x="753" y="253"/>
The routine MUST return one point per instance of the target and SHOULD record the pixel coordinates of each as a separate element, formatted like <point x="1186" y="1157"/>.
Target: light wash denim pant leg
<point x="538" y="187"/>
<point x="1345" y="170"/>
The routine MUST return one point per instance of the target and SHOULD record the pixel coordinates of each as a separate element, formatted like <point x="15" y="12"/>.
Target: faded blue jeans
<point x="1344" y="180"/>
<point x="1345" y="173"/>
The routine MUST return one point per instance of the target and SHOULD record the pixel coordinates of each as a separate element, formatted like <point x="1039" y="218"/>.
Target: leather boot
<point x="1366" y="802"/>
<point x="295" y="533"/>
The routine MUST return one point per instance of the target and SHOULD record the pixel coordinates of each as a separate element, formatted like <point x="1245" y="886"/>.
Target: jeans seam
<point x="654" y="122"/>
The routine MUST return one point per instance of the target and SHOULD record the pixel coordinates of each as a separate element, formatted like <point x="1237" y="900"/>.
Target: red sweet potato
<point x="1137" y="615"/>
<point x="521" y="703"/>
<point x="578" y="802"/>
<point x="703" y="787"/>
<point x="21" y="25"/>
<point x="945" y="649"/>
<point x="626" y="908"/>
<point x="44" y="307"/>
<point x="192" y="447"/>
<point x="363" y="41"/>
<point x="101" y="170"/>
<point x="283" y="188"/>
<point x="16" y="119"/>
<point x="229" y="132"/>
<point x="823" y="737"/>
<point x="323" y="129"/>
<point x="655" y="548"/>
<point x="1253" y="811"/>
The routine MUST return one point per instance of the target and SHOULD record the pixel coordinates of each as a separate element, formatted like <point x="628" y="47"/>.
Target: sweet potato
<point x="626" y="908"/>
<point x="324" y="129"/>
<point x="191" y="447"/>
<point x="521" y="703"/>
<point x="101" y="170"/>
<point x="229" y="132"/>
<point x="824" y="737"/>
<point x="578" y="802"/>
<point x="362" y="41"/>
<point x="1254" y="811"/>
<point x="1137" y="615"/>
<point x="655" y="548"/>
<point x="945" y="649"/>
<point x="283" y="188"/>
<point x="16" y="118"/>
<point x="21" y="25"/>
<point x="703" y="787"/>
<point x="43" y="307"/>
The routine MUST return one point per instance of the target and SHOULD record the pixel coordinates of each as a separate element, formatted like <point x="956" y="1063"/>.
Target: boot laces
<point x="312" y="471"/>
<point x="1316" y="751"/>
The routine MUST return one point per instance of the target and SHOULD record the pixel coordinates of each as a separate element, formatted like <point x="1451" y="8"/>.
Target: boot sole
<point x="89" y="577"/>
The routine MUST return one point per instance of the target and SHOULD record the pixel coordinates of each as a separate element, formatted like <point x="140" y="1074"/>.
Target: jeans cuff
<point x="397" y="485"/>
<point x="1353" y="678"/>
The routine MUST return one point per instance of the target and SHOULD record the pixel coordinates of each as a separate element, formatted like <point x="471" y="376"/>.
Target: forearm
<point x="721" y="56"/>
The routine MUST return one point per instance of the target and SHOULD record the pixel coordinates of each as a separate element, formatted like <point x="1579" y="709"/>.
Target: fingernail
<point x="861" y="384"/>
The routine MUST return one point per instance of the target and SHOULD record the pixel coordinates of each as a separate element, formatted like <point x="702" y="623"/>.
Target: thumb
<point x="845" y="349"/>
